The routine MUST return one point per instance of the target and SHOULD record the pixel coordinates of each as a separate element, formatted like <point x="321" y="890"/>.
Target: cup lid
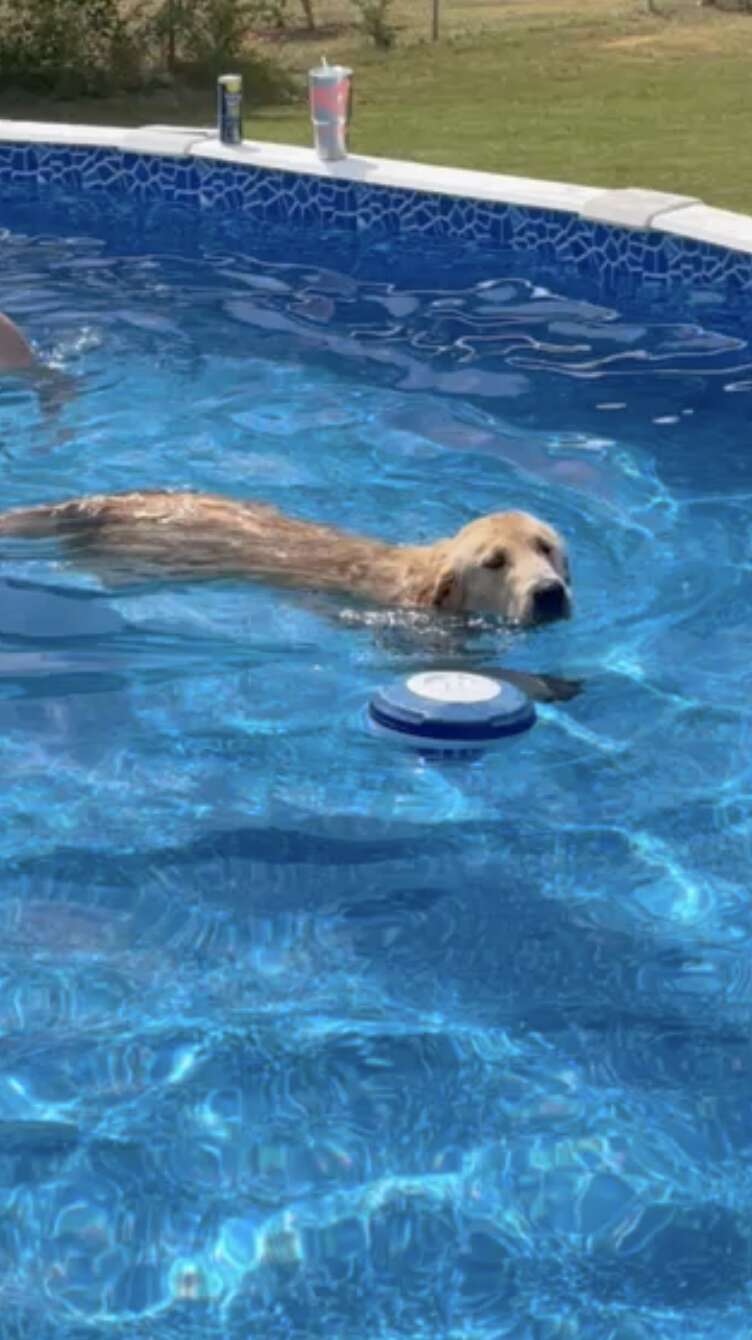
<point x="325" y="71"/>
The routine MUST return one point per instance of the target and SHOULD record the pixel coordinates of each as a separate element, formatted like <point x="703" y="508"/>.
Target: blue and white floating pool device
<point x="449" y="711"/>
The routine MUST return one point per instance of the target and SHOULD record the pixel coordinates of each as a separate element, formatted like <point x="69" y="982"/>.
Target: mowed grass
<point x="591" y="91"/>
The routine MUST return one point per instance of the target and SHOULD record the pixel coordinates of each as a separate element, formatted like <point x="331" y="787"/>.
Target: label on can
<point x="230" y="108"/>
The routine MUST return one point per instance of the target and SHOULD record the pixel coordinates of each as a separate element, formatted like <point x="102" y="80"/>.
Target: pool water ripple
<point x="301" y="1035"/>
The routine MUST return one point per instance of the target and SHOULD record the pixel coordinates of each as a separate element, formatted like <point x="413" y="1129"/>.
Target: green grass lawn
<point x="590" y="91"/>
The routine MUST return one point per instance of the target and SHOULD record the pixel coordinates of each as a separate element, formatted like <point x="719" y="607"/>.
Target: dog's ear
<point x="437" y="588"/>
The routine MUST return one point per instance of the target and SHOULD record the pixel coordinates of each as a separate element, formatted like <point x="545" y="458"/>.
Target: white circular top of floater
<point x="453" y="686"/>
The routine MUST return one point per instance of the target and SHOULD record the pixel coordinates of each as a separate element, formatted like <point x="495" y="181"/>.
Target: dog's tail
<point x="47" y="519"/>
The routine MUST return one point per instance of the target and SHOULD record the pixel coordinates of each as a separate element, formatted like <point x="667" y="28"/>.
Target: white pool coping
<point x="679" y="215"/>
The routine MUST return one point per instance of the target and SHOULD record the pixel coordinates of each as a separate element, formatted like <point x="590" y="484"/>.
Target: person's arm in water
<point x="53" y="386"/>
<point x="15" y="350"/>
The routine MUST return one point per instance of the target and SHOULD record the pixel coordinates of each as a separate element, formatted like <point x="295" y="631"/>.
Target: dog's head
<point x="509" y="563"/>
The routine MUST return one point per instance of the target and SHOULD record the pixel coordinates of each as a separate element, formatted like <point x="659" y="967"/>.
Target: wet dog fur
<point x="508" y="563"/>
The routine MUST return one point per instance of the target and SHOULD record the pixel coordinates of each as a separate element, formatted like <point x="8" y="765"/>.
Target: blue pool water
<point x="332" y="1041"/>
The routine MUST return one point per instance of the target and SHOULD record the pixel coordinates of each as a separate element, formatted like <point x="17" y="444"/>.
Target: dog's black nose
<point x="550" y="601"/>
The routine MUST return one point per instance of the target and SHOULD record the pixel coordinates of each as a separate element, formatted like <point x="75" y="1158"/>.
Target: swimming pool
<point x="330" y="1040"/>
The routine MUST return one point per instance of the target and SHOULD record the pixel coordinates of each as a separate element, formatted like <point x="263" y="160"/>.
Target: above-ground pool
<point x="305" y="1035"/>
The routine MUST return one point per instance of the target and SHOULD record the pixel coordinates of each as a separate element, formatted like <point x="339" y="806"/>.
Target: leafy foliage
<point x="95" y="47"/>
<point x="374" y="20"/>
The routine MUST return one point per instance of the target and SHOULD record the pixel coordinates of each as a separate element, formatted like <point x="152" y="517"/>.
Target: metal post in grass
<point x="435" y="23"/>
<point x="171" y="43"/>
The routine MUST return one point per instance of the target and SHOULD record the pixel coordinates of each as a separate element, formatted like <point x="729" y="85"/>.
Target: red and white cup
<point x="330" y="96"/>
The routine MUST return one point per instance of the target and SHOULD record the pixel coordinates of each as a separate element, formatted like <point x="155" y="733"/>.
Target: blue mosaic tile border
<point x="592" y="248"/>
<point x="92" y="169"/>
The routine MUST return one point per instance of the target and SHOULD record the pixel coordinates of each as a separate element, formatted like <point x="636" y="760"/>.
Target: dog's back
<point x="123" y="512"/>
<point x="200" y="535"/>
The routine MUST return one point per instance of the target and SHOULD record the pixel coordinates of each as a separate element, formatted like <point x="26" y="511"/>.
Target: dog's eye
<point x="498" y="559"/>
<point x="544" y="547"/>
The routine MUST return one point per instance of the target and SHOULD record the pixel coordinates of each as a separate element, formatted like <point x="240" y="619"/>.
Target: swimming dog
<point x="508" y="563"/>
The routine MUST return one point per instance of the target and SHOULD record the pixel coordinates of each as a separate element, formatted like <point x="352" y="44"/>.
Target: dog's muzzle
<point x="549" y="601"/>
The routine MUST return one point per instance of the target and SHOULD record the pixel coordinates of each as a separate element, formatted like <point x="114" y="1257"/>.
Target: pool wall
<point x="614" y="234"/>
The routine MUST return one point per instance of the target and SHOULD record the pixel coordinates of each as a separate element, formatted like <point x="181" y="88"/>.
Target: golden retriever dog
<point x="508" y="563"/>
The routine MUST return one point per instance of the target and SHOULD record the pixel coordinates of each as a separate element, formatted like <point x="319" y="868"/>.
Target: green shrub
<point x="74" y="48"/>
<point x="265" y="82"/>
<point x="374" y="20"/>
<point x="212" y="39"/>
<point x="59" y="44"/>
